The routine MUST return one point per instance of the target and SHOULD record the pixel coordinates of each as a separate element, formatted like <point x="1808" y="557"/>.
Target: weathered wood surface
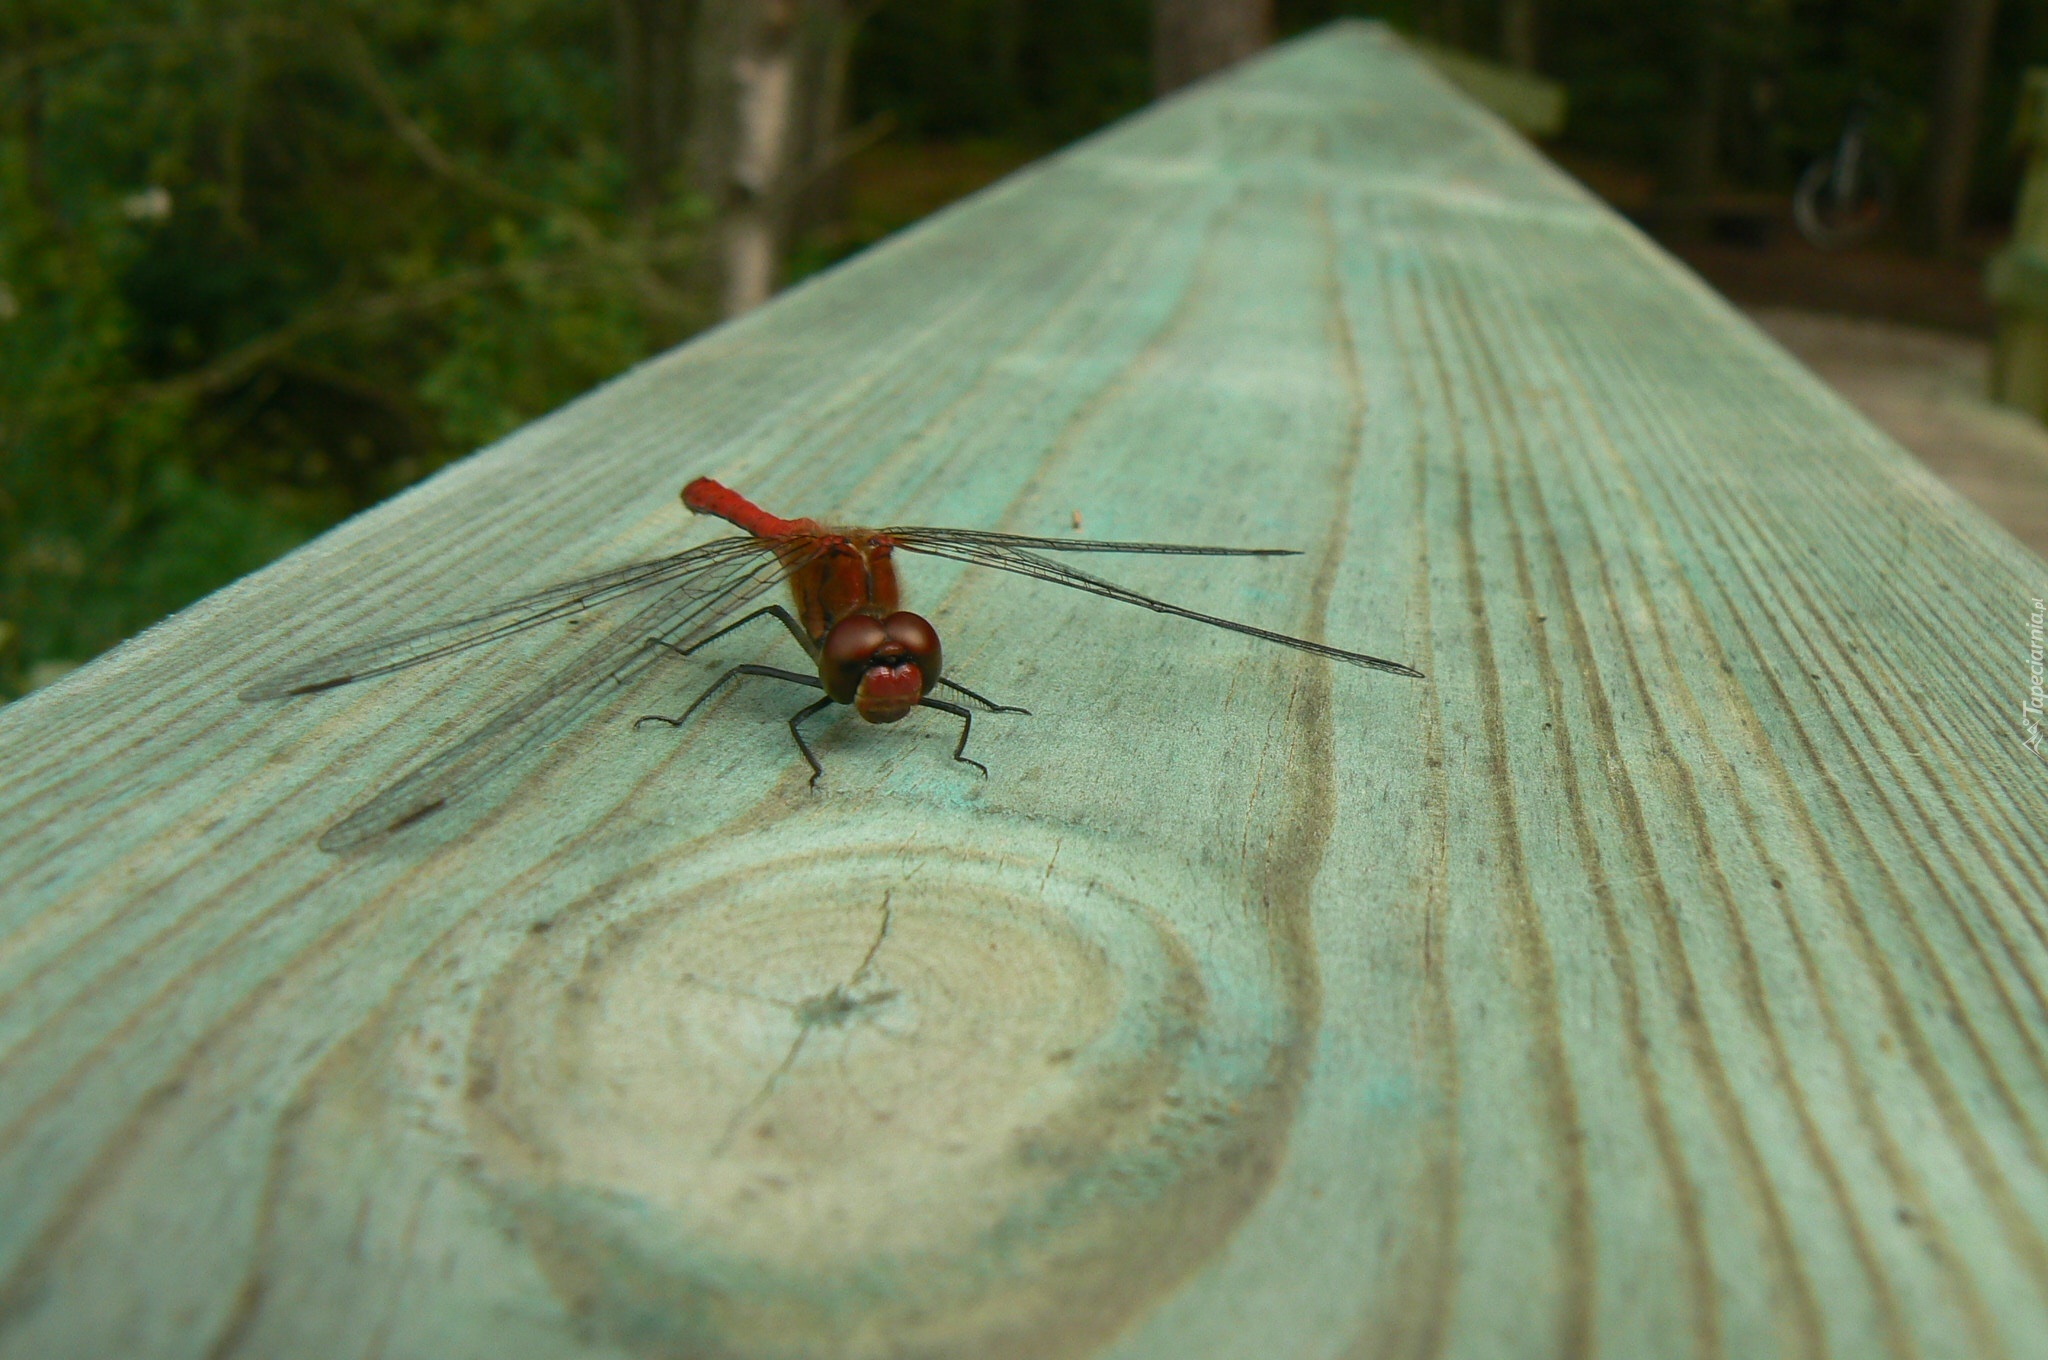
<point x="1662" y="977"/>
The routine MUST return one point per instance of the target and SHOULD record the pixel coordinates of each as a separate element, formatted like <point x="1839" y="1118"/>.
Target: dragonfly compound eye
<point x="901" y="671"/>
<point x="880" y="666"/>
<point x="919" y="640"/>
<point x="848" y="651"/>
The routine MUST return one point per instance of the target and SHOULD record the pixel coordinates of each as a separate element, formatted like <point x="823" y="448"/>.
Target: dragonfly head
<point x="880" y="666"/>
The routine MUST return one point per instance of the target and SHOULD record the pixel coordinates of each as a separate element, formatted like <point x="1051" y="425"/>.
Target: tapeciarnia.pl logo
<point x="2030" y="715"/>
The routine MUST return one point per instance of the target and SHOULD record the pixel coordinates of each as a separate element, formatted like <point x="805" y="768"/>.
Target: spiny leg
<point x="817" y="770"/>
<point x="777" y="610"/>
<point x="966" y="718"/>
<point x="986" y="702"/>
<point x="720" y="683"/>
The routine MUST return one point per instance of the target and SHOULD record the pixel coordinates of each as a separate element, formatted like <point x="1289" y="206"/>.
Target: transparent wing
<point x="382" y="656"/>
<point x="687" y="611"/>
<point x="925" y="539"/>
<point x="1012" y="552"/>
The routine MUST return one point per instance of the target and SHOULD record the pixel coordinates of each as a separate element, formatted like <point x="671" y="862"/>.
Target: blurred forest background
<point x="264" y="262"/>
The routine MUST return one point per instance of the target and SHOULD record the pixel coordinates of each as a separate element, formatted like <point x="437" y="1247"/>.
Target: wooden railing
<point x="1662" y="976"/>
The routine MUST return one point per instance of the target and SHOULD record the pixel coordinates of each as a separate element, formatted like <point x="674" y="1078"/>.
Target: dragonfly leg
<point x="982" y="699"/>
<point x="777" y="610"/>
<point x="817" y="770"/>
<point x="721" y="682"/>
<point x="966" y="718"/>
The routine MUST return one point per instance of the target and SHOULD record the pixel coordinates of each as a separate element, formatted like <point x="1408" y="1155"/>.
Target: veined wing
<point x="1014" y="553"/>
<point x="382" y="656"/>
<point x="925" y="539"/>
<point x="689" y="609"/>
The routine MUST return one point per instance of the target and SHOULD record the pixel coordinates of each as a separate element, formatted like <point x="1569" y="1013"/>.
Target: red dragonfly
<point x="868" y="651"/>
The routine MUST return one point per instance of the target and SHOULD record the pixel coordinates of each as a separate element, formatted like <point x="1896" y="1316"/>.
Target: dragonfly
<point x="866" y="651"/>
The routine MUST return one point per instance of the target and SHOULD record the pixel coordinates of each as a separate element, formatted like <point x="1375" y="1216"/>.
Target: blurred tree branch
<point x="237" y="364"/>
<point x="633" y="257"/>
<point x="44" y="55"/>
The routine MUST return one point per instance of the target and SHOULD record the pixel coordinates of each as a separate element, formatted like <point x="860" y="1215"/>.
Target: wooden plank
<point x="1661" y="977"/>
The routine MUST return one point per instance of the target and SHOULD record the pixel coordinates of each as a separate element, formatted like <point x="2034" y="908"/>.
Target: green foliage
<point x="266" y="262"/>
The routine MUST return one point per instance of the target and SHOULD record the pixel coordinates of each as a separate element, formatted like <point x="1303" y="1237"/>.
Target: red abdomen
<point x="844" y="572"/>
<point x="706" y="497"/>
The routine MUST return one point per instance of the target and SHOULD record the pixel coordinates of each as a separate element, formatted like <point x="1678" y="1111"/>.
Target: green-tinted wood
<point x="1661" y="977"/>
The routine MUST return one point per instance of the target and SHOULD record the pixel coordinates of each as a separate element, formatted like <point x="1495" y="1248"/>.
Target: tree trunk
<point x="1450" y="22"/>
<point x="1518" y="34"/>
<point x="1698" y="152"/>
<point x="1699" y="148"/>
<point x="830" y="30"/>
<point x="766" y="95"/>
<point x="1958" y="102"/>
<point x="1191" y="38"/>
<point x="652" y="65"/>
<point x="1006" y="50"/>
<point x="745" y="136"/>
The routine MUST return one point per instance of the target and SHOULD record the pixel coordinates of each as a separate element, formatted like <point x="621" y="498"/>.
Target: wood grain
<point x="1664" y="976"/>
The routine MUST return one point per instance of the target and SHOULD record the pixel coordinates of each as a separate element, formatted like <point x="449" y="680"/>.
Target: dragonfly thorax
<point x="847" y="572"/>
<point x="882" y="666"/>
